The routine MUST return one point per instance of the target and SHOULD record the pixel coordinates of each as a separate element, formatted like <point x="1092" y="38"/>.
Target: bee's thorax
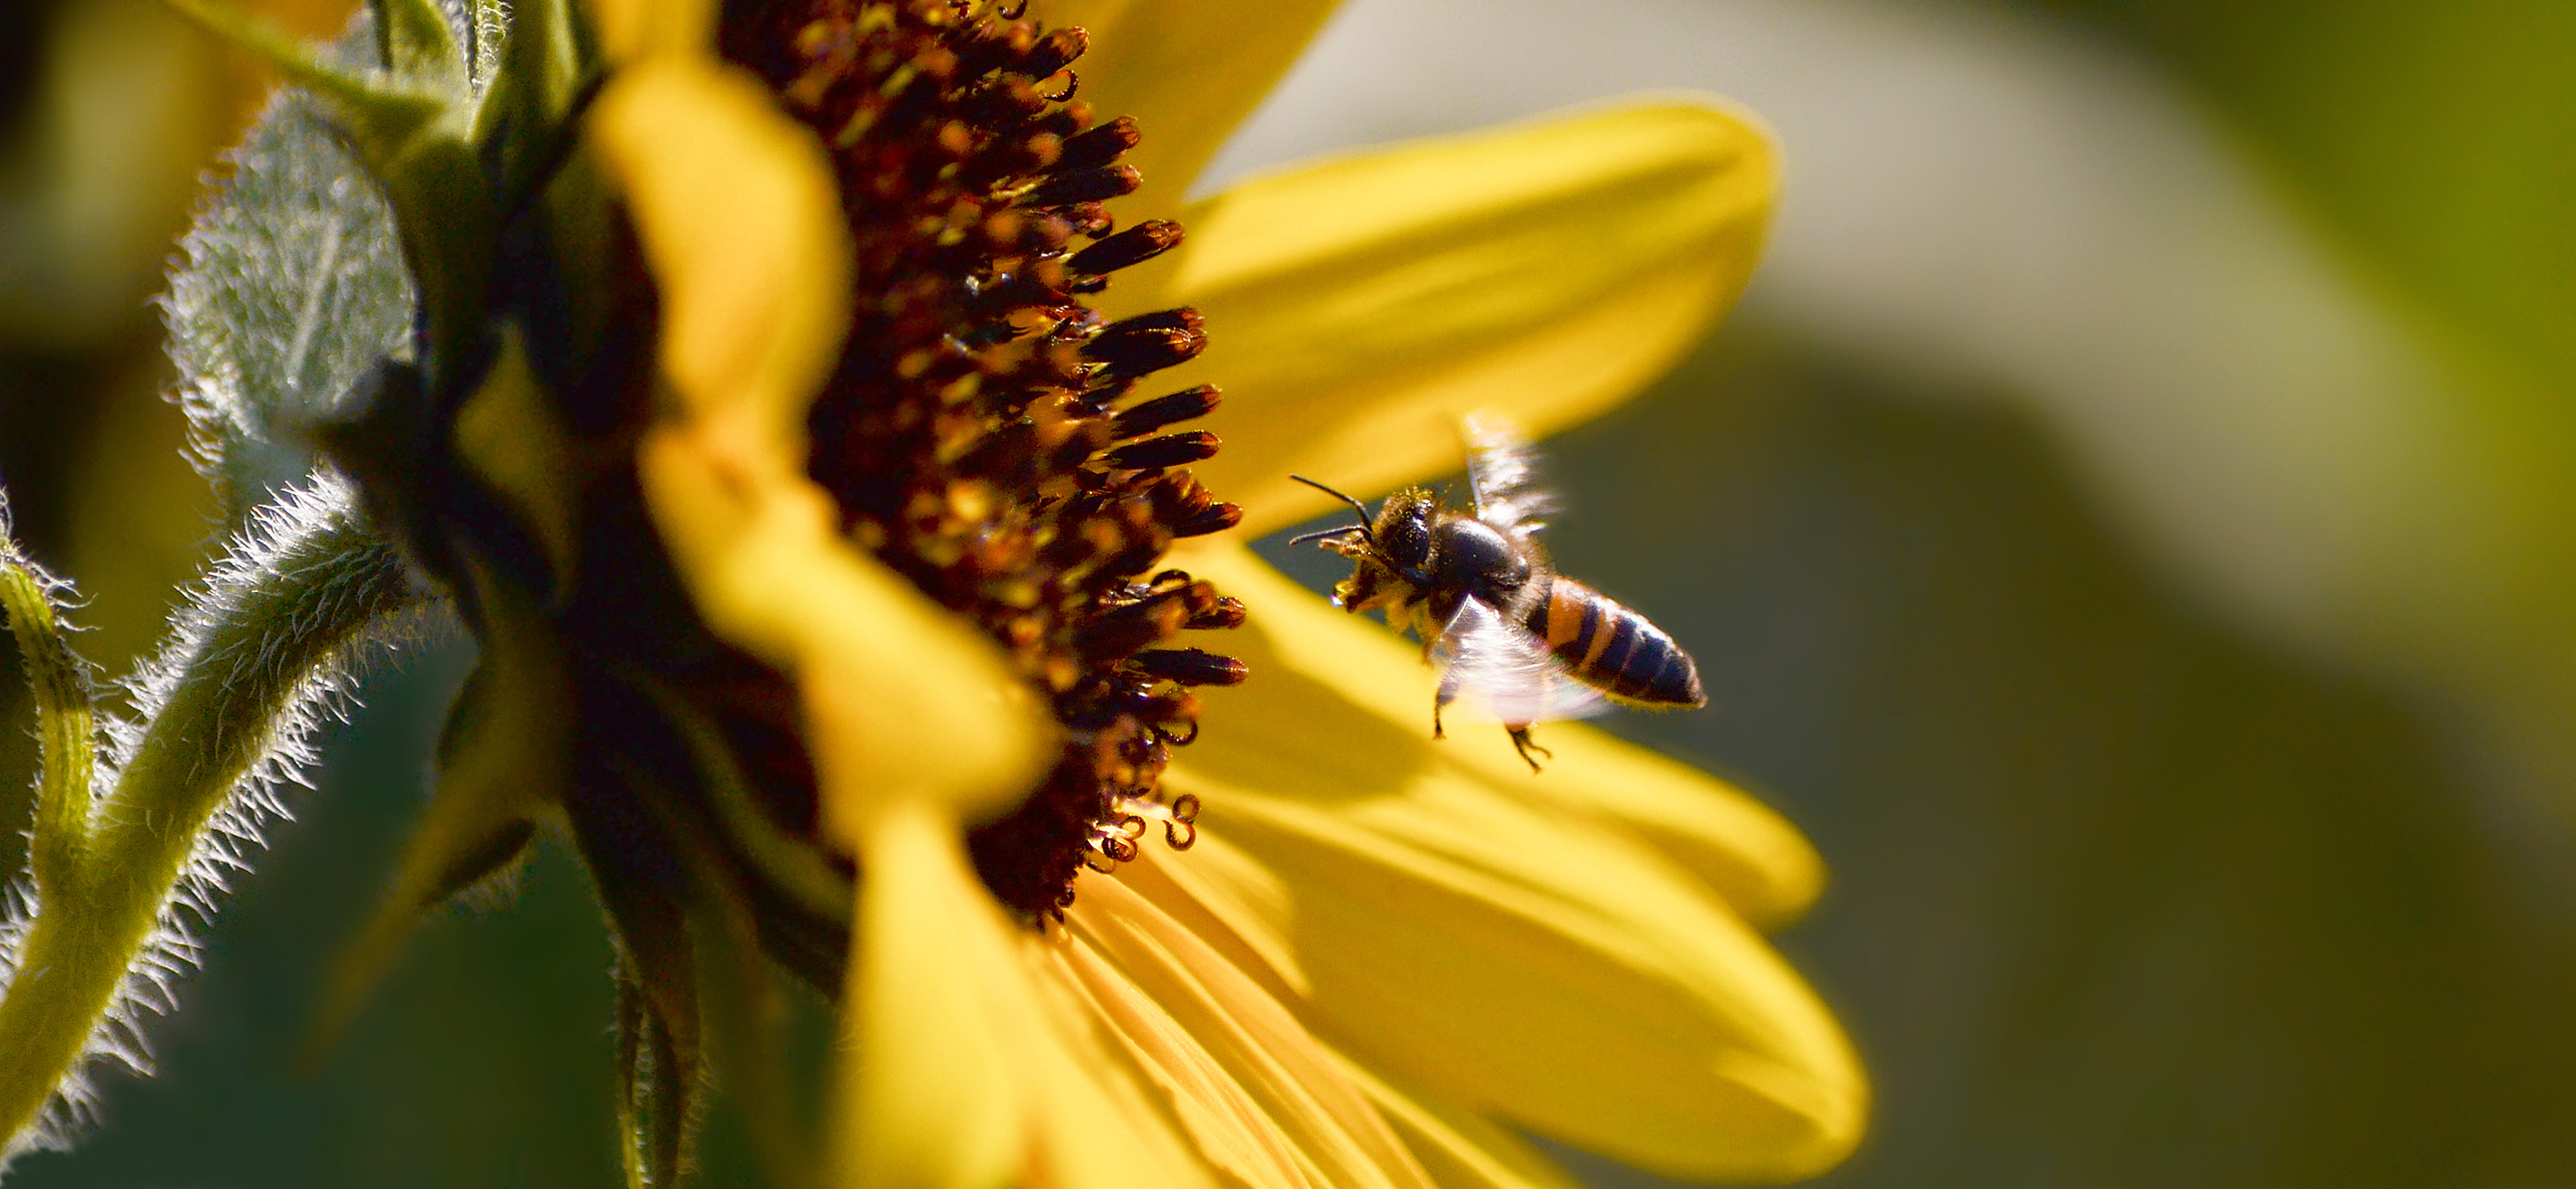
<point x="1471" y="557"/>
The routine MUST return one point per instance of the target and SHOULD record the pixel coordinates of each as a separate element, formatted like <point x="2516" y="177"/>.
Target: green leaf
<point x="289" y="287"/>
<point x="411" y="131"/>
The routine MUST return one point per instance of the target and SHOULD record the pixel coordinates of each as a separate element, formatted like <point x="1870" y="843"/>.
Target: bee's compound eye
<point x="1405" y="539"/>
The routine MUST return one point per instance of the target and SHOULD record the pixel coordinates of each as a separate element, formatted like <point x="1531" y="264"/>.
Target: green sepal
<point x="743" y="1014"/>
<point x="478" y="822"/>
<point x="738" y="1000"/>
<point x="530" y="111"/>
<point x="502" y="763"/>
<point x="625" y="844"/>
<point x="788" y="864"/>
<point x="415" y="41"/>
<point x="381" y="118"/>
<point x="449" y="221"/>
<point x="512" y="436"/>
<point x="657" y="1087"/>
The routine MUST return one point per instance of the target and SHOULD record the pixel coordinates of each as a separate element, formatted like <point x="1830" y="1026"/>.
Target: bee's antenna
<point x="1356" y="506"/>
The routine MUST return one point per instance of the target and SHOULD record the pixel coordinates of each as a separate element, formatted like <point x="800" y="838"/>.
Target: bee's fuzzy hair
<point x="173" y="950"/>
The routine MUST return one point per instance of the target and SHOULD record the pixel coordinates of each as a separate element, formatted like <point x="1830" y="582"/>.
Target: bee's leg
<point x="1440" y="701"/>
<point x="1522" y="742"/>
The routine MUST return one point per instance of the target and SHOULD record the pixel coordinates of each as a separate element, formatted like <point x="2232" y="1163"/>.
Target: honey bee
<point x="1496" y="618"/>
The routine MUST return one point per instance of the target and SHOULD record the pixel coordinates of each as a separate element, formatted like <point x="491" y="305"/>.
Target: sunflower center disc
<point x="979" y="432"/>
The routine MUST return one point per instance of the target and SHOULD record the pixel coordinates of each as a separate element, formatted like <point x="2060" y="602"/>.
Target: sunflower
<point x="847" y="593"/>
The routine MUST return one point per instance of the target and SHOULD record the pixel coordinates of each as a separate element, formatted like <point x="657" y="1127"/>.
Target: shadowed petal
<point x="1356" y="309"/>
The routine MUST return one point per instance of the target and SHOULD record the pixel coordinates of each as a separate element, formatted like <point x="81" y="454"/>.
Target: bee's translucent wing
<point x="1493" y="664"/>
<point x="1498" y="470"/>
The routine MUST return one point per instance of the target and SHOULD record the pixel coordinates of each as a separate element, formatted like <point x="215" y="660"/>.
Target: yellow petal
<point x="932" y="1090"/>
<point x="1356" y="309"/>
<point x="1572" y="983"/>
<point x="630" y="29"/>
<point x="965" y="1071"/>
<point x="1495" y="948"/>
<point x="1188" y="70"/>
<point x="1102" y="1129"/>
<point x="1239" y="914"/>
<point x="1228" y="900"/>
<point x="1250" y="1081"/>
<point x="1334" y="675"/>
<point x="739" y="218"/>
<point x="1460" y="1150"/>
<point x="1229" y="1128"/>
<point x="902" y="699"/>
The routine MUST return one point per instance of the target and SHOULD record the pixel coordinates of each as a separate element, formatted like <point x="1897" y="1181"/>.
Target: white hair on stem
<point x="361" y="615"/>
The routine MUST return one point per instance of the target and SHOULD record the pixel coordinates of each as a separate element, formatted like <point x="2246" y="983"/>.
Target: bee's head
<point x="1401" y="534"/>
<point x="1391" y="548"/>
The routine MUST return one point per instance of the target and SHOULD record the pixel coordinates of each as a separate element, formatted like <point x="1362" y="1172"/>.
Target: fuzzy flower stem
<point x="66" y="729"/>
<point x="228" y="697"/>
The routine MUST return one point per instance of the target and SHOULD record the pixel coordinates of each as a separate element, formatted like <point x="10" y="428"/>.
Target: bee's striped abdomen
<point x="1612" y="647"/>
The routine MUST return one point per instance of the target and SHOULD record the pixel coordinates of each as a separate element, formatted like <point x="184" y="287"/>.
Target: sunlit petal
<point x="1434" y="915"/>
<point x="1188" y="70"/>
<point x="631" y="29"/>
<point x="1188" y="1011"/>
<point x="974" y="1067"/>
<point x="1102" y="1128"/>
<point x="1356" y="309"/>
<point x="1229" y="1127"/>
<point x="1231" y="902"/>
<point x="1672" y="1036"/>
<point x="1460" y="1149"/>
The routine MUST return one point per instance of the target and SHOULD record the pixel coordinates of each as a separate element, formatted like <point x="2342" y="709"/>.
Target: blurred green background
<point x="2131" y="526"/>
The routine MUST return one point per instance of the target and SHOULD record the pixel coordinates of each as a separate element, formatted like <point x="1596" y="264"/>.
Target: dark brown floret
<point x="1145" y="417"/>
<point x="973" y="432"/>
